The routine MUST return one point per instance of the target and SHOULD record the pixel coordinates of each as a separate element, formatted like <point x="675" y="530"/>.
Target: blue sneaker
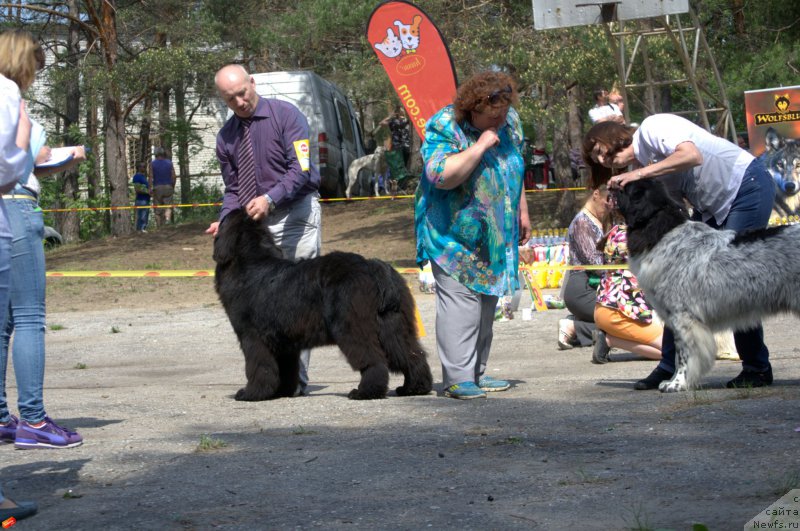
<point x="8" y="432"/>
<point x="51" y="435"/>
<point x="492" y="385"/>
<point x="464" y="391"/>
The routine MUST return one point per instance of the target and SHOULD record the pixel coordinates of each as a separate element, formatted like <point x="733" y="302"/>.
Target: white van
<point x="334" y="129"/>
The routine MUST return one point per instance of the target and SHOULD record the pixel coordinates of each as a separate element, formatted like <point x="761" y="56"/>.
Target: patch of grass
<point x="153" y="266"/>
<point x="701" y="397"/>
<point x="511" y="440"/>
<point x="790" y="480"/>
<point x="637" y="519"/>
<point x="208" y="443"/>
<point x="114" y="330"/>
<point x="582" y="477"/>
<point x="80" y="366"/>
<point x="302" y="431"/>
<point x="56" y="327"/>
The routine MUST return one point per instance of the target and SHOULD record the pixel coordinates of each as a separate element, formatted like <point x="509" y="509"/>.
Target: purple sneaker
<point x="8" y="432"/>
<point x="51" y="435"/>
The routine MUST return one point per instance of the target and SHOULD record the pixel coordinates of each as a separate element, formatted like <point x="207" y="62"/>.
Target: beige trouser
<point x="162" y="195"/>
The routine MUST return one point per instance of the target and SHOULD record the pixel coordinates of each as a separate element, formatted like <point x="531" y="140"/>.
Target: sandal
<point x="565" y="339"/>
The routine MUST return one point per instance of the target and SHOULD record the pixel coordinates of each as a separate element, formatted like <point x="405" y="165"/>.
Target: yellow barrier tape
<point x="323" y="200"/>
<point x="175" y="273"/>
<point x="140" y="273"/>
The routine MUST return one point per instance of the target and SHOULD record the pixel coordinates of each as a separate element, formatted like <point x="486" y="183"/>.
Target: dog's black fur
<point x="649" y="212"/>
<point x="277" y="308"/>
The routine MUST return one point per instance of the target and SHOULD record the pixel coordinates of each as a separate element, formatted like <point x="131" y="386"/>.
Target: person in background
<point x="615" y="98"/>
<point x="622" y="316"/>
<point x="400" y="134"/>
<point x="162" y="185"/>
<point x="263" y="153"/>
<point x="17" y="72"/>
<point x="727" y="187"/>
<point x="579" y="290"/>
<point x="26" y="311"/>
<point x="603" y="110"/>
<point x="142" y="188"/>
<point x="470" y="216"/>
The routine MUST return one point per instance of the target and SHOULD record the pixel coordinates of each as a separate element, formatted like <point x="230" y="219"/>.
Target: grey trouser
<point x="580" y="298"/>
<point x="297" y="230"/>
<point x="464" y="321"/>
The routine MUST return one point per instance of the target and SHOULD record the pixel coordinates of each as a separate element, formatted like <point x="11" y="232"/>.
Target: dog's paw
<point x="671" y="386"/>
<point x="404" y="390"/>
<point x="355" y="394"/>
<point x="245" y="395"/>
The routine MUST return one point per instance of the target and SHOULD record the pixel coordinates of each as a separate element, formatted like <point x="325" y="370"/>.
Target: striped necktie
<point x="247" y="167"/>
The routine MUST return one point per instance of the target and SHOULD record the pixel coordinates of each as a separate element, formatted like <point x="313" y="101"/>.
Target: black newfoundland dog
<point x="278" y="307"/>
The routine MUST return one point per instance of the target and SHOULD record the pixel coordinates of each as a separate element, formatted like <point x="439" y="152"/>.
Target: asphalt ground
<point x="570" y="446"/>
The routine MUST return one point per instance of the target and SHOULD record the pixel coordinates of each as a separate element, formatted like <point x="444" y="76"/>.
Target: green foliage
<point x="201" y="193"/>
<point x="208" y="443"/>
<point x="179" y="45"/>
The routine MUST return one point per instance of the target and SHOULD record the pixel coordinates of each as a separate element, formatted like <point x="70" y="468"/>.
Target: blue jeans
<point x="26" y="310"/>
<point x="5" y="278"/>
<point x="142" y="214"/>
<point x="750" y="210"/>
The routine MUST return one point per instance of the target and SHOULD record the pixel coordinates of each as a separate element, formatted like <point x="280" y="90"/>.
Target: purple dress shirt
<point x="276" y="126"/>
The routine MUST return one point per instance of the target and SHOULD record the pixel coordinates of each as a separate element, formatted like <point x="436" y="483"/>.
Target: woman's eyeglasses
<point x="495" y="96"/>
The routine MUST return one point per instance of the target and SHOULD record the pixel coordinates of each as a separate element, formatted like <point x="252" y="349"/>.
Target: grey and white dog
<point x="701" y="280"/>
<point x="375" y="164"/>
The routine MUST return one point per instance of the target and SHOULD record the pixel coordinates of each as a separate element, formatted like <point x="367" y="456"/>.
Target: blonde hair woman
<point x="17" y="70"/>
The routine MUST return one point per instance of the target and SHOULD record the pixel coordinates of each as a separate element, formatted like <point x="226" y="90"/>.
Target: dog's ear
<point x="227" y="240"/>
<point x="640" y="201"/>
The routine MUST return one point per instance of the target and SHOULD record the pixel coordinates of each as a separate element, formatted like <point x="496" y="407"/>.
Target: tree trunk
<point x="117" y="166"/>
<point x="575" y="117"/>
<point x="95" y="176"/>
<point x="163" y="106"/>
<point x="68" y="223"/>
<point x="183" y="142"/>
<point x="562" y="170"/>
<point x="143" y="153"/>
<point x="116" y="156"/>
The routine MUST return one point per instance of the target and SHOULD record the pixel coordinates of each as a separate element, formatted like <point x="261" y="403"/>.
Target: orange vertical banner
<point x="415" y="57"/>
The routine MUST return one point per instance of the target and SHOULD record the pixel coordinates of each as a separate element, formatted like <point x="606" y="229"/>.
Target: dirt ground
<point x="376" y="229"/>
<point x="146" y="369"/>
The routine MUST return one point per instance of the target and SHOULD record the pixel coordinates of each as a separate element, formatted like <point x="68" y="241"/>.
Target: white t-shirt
<point x="13" y="159"/>
<point x="710" y="187"/>
<point x="597" y="113"/>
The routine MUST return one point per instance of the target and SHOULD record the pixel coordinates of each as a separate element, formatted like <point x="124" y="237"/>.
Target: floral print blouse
<point x="471" y="231"/>
<point x="619" y="288"/>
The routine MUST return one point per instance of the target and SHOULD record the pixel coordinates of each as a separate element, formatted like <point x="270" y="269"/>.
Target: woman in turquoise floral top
<point x="621" y="310"/>
<point x="470" y="217"/>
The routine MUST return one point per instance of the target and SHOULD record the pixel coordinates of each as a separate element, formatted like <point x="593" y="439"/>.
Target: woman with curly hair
<point x="470" y="217"/>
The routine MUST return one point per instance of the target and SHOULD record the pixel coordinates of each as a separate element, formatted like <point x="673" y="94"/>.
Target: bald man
<point x="270" y="139"/>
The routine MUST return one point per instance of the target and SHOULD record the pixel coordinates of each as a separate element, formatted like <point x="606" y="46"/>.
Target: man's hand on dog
<point x="213" y="229"/>
<point x="258" y="208"/>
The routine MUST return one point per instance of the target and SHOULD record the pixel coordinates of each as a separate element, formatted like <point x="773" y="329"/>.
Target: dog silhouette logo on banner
<point x="415" y="57"/>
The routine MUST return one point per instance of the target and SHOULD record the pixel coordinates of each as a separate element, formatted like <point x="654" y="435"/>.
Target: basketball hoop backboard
<point x="551" y="14"/>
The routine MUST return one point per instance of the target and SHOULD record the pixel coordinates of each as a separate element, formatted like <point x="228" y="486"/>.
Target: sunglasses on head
<point x="495" y="96"/>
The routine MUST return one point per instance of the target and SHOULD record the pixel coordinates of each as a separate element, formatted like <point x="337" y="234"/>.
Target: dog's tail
<point x="701" y="352"/>
<point x="398" y="332"/>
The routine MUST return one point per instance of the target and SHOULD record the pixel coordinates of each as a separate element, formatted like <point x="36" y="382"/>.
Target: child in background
<point x="142" y="189"/>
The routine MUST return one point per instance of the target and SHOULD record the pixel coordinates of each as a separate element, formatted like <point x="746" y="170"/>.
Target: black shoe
<point x="600" y="353"/>
<point x="651" y="382"/>
<point x="748" y="378"/>
<point x="23" y="509"/>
